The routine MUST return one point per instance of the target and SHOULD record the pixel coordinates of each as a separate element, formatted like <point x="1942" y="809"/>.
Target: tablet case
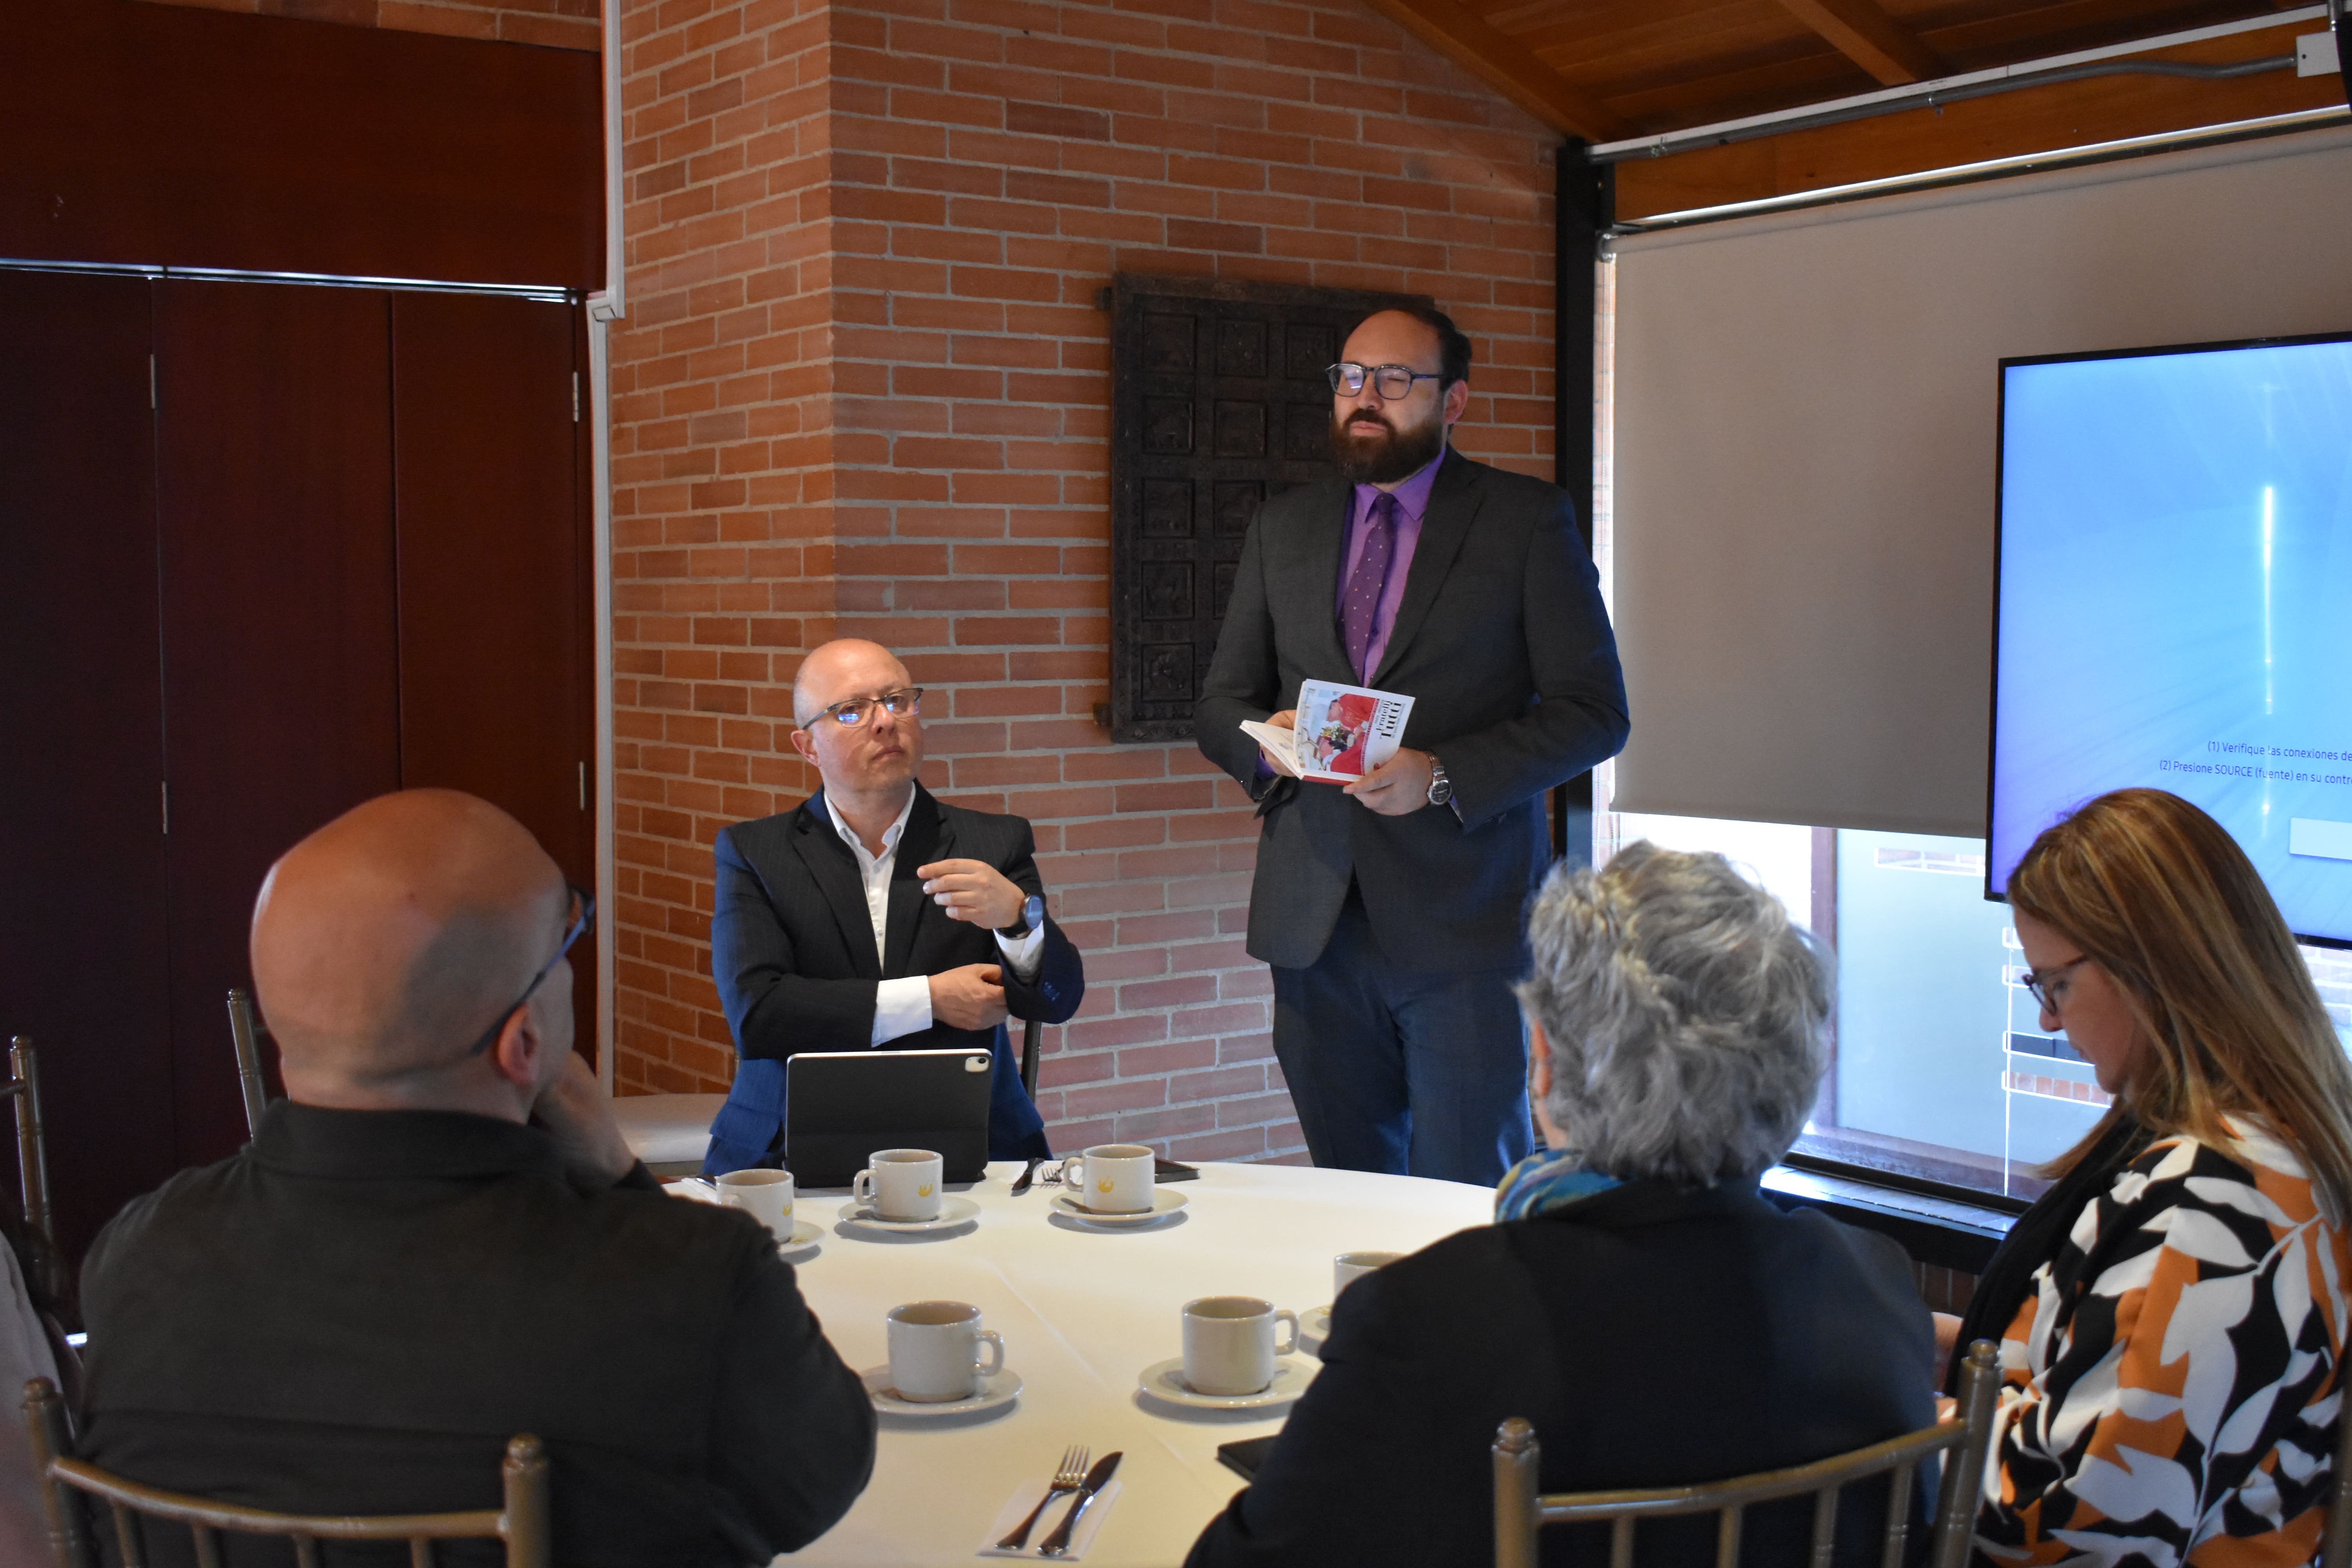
<point x="842" y="1106"/>
<point x="1245" y="1457"/>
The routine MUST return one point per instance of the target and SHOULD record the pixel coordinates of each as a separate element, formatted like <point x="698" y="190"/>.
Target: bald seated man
<point x="873" y="916"/>
<point x="438" y="1240"/>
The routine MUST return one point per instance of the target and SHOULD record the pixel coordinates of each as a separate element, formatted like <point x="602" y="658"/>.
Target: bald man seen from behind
<point x="438" y="1240"/>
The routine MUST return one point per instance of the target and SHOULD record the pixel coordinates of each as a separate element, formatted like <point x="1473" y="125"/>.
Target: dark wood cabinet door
<point x="81" y="747"/>
<point x="280" y="651"/>
<point x="495" y="679"/>
<point x="1220" y="401"/>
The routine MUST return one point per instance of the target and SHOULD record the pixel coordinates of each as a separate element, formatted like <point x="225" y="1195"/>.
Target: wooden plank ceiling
<point x="1607" y="70"/>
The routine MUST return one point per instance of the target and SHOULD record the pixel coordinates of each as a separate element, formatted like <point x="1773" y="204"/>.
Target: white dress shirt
<point x="903" y="1006"/>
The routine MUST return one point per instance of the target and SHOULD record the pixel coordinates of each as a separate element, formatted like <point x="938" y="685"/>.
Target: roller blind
<point x="1806" y="419"/>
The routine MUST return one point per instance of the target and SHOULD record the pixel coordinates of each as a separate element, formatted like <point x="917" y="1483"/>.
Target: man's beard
<point x="1387" y="455"/>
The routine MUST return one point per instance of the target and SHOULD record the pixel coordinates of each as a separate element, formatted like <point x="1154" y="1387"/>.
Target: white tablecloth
<point x="1082" y="1313"/>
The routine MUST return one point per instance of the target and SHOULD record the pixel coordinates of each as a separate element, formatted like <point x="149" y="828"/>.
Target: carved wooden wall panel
<point x="1219" y="402"/>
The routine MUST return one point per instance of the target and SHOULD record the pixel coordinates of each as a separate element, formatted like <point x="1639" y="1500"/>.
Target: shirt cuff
<point x="1026" y="955"/>
<point x="901" y="1007"/>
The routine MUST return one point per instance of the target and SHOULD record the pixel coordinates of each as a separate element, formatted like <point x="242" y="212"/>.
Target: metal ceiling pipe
<point x="1935" y="97"/>
<point x="1952" y="88"/>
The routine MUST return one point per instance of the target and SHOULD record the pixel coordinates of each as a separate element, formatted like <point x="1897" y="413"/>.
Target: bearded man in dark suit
<point x="874" y="916"/>
<point x="1390" y="907"/>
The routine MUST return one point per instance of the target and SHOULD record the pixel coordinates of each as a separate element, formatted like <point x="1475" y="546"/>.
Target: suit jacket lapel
<point x="1453" y="503"/>
<point x="926" y="838"/>
<point x="834" y="867"/>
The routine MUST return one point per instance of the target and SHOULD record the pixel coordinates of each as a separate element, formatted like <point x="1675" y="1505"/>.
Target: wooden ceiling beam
<point x="1506" y="66"/>
<point x="1871" y="38"/>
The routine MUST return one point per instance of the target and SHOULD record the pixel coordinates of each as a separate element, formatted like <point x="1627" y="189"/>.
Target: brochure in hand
<point x="1343" y="732"/>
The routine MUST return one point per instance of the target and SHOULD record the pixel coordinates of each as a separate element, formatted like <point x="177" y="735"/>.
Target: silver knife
<point x="1098" y="1478"/>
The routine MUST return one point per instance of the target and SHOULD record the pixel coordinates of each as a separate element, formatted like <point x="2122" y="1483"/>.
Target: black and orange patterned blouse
<point x="2169" y="1390"/>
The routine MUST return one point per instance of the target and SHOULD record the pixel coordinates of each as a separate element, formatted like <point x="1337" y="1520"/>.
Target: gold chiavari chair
<point x="1520" y="1511"/>
<point x="522" y="1523"/>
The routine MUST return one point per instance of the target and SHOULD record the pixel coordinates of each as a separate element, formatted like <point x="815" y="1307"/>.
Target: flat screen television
<point x="2174" y="601"/>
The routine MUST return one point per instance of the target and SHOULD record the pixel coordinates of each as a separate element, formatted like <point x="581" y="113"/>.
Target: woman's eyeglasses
<point x="2048" y="985"/>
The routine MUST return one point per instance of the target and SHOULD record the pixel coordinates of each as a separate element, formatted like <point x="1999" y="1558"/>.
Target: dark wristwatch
<point x="1441" y="788"/>
<point x="1033" y="915"/>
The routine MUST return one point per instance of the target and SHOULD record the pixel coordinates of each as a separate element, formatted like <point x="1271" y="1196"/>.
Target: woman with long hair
<point x="2173" y="1311"/>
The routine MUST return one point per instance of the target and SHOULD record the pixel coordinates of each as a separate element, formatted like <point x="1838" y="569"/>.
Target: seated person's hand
<point x="575" y="1112"/>
<point x="1285" y="719"/>
<point x="973" y="890"/>
<point x="971" y="997"/>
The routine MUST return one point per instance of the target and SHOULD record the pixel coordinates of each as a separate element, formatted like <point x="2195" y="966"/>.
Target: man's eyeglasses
<point x="857" y="710"/>
<point x="2047" y="985"/>
<point x="584" y="920"/>
<point x="1393" y="381"/>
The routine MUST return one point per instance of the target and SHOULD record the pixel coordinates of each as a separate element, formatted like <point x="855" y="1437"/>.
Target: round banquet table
<point x="1083" y="1312"/>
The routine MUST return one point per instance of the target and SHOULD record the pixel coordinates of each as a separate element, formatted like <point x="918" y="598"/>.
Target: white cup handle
<point x="995" y="1361"/>
<point x="729" y="1198"/>
<point x="1288" y="1316"/>
<point x="861" y="1186"/>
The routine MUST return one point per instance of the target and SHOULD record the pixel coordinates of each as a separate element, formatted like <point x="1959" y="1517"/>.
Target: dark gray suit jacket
<point x="1503" y="645"/>
<point x="792" y="949"/>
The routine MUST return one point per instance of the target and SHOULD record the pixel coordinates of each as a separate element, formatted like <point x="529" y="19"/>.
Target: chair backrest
<point x="1520" y="1511"/>
<point x="24" y="1087"/>
<point x="2336" y="1542"/>
<point x="246" y="1031"/>
<point x="521" y="1524"/>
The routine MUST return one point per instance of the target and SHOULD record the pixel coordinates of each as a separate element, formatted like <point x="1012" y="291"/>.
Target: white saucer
<point x="1163" y="1203"/>
<point x="804" y="1239"/>
<point x="953" y="1212"/>
<point x="997" y="1388"/>
<point x="1165" y="1380"/>
<point x="1314" y="1328"/>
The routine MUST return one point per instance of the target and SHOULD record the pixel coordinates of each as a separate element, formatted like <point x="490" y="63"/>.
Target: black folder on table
<point x="842" y="1106"/>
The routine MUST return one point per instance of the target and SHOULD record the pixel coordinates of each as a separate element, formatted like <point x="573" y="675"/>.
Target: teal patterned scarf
<point x="1546" y="1182"/>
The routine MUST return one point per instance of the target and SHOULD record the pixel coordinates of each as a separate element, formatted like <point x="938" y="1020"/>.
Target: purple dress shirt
<point x="1412" y="501"/>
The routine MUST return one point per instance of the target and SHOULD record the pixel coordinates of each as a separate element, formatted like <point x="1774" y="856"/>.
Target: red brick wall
<point x="562" y="24"/>
<point x="864" y="388"/>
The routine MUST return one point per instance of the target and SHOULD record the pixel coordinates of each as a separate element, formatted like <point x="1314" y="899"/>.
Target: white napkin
<point x="1026" y="1497"/>
<point x="693" y="1188"/>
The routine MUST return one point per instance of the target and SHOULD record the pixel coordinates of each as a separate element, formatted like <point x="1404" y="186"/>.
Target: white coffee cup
<point x="1349" y="1267"/>
<point x="935" y="1351"/>
<point x="1114" y="1178"/>
<point x="900" y="1184"/>
<point x="1229" y="1344"/>
<point x="765" y="1195"/>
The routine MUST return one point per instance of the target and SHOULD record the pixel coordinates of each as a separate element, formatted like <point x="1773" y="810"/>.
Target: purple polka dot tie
<point x="1366" y="581"/>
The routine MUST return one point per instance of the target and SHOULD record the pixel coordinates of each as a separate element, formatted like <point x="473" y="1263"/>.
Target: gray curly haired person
<point x="1675" y="1018"/>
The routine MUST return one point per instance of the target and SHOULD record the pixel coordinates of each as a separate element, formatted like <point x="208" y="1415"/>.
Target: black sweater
<point x="1654" y="1337"/>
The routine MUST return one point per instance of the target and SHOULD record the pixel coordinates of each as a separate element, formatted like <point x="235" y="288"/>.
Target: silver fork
<point x="1068" y="1478"/>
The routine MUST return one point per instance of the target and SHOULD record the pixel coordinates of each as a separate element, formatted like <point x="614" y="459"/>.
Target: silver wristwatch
<point x="1033" y="915"/>
<point x="1441" y="788"/>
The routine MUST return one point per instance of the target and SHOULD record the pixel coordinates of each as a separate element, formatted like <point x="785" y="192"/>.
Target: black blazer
<point x="356" y="1312"/>
<point x="792" y="948"/>
<point x="1654" y="1336"/>
<point x="1503" y="645"/>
